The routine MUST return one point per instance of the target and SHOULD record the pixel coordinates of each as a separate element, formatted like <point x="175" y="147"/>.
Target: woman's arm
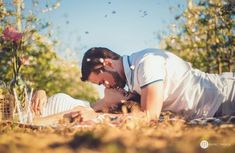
<point x="85" y="113"/>
<point x="39" y="98"/>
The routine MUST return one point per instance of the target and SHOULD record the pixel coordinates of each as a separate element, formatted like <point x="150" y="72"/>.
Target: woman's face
<point x="109" y="79"/>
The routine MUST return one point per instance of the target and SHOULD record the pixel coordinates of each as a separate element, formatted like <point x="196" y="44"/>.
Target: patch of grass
<point x="167" y="136"/>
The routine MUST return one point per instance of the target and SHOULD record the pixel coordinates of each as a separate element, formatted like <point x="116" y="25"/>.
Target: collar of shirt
<point x="128" y="71"/>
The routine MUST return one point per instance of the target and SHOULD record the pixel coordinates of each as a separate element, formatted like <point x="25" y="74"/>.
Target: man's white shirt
<point x="187" y="91"/>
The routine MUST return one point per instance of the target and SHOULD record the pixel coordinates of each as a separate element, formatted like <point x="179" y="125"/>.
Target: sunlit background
<point x="124" y="26"/>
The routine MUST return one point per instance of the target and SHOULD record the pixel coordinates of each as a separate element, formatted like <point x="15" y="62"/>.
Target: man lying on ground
<point x="164" y="81"/>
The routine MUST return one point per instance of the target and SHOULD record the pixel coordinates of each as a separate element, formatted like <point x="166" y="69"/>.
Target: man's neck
<point x="118" y="64"/>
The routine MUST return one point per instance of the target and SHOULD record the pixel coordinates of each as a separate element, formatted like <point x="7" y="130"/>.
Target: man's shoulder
<point x="149" y="50"/>
<point x="147" y="54"/>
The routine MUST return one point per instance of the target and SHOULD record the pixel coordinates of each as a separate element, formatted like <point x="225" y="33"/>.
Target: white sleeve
<point x="150" y="70"/>
<point x="61" y="102"/>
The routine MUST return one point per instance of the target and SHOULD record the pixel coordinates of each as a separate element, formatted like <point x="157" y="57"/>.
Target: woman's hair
<point x="93" y="58"/>
<point x="130" y="105"/>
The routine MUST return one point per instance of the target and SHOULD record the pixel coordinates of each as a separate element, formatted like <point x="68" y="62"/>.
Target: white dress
<point x="61" y="102"/>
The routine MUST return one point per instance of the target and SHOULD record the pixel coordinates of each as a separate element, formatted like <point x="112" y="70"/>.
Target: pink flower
<point x="24" y="60"/>
<point x="12" y="34"/>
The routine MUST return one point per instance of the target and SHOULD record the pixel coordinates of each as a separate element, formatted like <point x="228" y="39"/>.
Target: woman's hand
<point x="81" y="114"/>
<point x="39" y="99"/>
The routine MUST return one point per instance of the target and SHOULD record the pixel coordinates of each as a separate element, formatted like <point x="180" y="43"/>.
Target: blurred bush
<point x="43" y="68"/>
<point x="204" y="35"/>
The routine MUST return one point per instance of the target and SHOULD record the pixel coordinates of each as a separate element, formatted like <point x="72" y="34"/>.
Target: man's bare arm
<point x="152" y="100"/>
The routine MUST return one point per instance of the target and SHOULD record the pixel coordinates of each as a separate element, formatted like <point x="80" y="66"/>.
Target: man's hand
<point x="38" y="100"/>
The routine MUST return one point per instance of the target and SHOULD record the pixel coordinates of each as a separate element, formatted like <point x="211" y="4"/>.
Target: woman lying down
<point x="62" y="106"/>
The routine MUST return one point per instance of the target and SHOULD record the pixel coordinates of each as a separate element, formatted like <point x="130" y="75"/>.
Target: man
<point x="164" y="81"/>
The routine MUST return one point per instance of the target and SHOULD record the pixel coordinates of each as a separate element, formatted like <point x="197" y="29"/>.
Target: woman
<point x="51" y="110"/>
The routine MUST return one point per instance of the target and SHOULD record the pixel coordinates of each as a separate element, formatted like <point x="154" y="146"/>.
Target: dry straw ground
<point x="129" y="136"/>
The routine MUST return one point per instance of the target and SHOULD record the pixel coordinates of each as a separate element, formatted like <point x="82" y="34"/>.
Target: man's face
<point x="110" y="79"/>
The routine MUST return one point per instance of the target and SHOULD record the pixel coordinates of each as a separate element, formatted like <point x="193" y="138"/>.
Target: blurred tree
<point x="206" y="35"/>
<point x="42" y="69"/>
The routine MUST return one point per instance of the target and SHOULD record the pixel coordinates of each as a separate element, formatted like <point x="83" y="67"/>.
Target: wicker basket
<point x="6" y="107"/>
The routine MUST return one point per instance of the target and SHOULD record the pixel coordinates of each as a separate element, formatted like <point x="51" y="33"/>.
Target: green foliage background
<point x="205" y="35"/>
<point x="46" y="70"/>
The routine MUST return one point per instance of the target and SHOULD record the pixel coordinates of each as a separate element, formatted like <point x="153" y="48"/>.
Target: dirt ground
<point x="167" y="136"/>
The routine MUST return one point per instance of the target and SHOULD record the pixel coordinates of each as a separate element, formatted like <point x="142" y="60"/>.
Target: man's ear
<point x="107" y="62"/>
